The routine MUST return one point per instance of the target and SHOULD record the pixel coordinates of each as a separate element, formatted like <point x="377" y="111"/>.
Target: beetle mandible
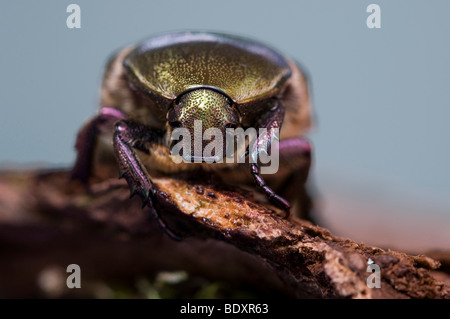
<point x="225" y="81"/>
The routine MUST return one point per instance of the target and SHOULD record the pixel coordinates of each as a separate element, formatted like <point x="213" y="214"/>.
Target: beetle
<point x="225" y="81"/>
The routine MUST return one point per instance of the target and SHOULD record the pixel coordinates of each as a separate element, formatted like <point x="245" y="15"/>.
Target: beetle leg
<point x="273" y="197"/>
<point x="271" y="123"/>
<point x="129" y="165"/>
<point x="86" y="140"/>
<point x="129" y="135"/>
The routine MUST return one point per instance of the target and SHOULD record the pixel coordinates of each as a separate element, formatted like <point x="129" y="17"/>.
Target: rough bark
<point x="227" y="234"/>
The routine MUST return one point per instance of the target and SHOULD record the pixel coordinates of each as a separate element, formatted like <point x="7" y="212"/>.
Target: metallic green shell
<point x="210" y="107"/>
<point x="168" y="65"/>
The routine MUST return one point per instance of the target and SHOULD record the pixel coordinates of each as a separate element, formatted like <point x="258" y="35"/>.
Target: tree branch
<point x="228" y="234"/>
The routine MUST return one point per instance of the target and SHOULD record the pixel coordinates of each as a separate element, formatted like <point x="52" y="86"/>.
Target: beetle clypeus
<point x="225" y="81"/>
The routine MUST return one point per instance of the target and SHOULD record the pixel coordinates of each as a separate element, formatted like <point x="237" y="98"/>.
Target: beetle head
<point x="210" y="108"/>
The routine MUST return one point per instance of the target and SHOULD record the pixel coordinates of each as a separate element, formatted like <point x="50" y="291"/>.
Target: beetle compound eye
<point x="175" y="124"/>
<point x="274" y="106"/>
<point x="231" y="125"/>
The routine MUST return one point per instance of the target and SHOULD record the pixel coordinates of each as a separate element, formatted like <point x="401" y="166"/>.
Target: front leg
<point x="87" y="139"/>
<point x="271" y="124"/>
<point x="128" y="136"/>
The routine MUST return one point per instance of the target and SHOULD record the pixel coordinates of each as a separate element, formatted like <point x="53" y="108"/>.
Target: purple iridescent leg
<point x="271" y="123"/>
<point x="295" y="155"/>
<point x="86" y="140"/>
<point x="129" y="135"/>
<point x="273" y="197"/>
<point x="129" y="165"/>
<point x="126" y="137"/>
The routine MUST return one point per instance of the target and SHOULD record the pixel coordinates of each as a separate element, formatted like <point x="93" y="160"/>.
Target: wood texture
<point x="227" y="234"/>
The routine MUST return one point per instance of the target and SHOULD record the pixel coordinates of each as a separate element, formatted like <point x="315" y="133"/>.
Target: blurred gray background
<point x="381" y="96"/>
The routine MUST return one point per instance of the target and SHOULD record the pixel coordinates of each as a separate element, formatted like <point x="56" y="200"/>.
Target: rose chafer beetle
<point x="225" y="81"/>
